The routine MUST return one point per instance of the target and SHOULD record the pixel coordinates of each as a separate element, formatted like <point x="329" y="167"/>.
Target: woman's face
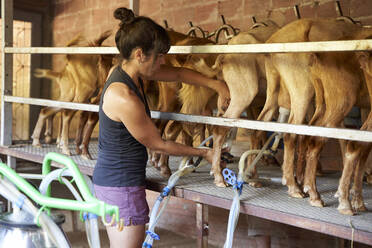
<point x="152" y="63"/>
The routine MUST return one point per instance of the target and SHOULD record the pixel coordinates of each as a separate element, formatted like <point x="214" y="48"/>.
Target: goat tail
<point x="102" y="38"/>
<point x="46" y="73"/>
<point x="219" y="61"/>
<point x="76" y="41"/>
<point x="200" y="65"/>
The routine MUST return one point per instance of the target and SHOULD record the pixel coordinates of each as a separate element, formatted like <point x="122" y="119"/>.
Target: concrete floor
<point x="168" y="240"/>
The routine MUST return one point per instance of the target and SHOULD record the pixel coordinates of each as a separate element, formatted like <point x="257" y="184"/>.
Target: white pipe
<point x="293" y="47"/>
<point x="90" y="224"/>
<point x="10" y="192"/>
<point x="334" y="133"/>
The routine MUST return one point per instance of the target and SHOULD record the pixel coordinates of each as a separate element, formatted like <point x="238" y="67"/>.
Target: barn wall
<point x="92" y="17"/>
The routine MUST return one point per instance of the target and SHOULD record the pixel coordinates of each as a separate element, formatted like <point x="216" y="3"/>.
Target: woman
<point x="126" y="128"/>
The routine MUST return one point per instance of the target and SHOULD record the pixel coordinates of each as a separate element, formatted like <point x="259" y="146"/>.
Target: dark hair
<point x="139" y="32"/>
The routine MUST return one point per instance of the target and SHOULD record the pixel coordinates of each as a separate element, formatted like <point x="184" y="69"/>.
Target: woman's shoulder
<point x="119" y="93"/>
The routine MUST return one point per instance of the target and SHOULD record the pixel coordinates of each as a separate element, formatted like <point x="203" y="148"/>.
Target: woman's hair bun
<point x="124" y="15"/>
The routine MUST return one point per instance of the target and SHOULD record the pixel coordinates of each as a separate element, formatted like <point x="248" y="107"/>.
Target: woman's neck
<point x="131" y="70"/>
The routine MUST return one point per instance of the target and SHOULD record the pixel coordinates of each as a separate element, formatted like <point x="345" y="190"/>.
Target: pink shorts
<point x="132" y="203"/>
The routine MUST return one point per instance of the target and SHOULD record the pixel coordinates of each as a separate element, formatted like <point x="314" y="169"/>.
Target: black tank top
<point x="121" y="158"/>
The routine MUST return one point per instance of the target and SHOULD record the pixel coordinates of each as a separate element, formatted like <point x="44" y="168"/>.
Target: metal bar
<point x="134" y="6"/>
<point x="202" y="225"/>
<point x="62" y="50"/>
<point x="254" y="19"/>
<point x="6" y="71"/>
<point x="295" y="47"/>
<point x="336" y="133"/>
<point x="338" y="8"/>
<point x="297" y="12"/>
<point x="52" y="103"/>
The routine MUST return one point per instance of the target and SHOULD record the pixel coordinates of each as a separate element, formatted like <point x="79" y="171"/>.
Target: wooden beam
<point x="202" y="225"/>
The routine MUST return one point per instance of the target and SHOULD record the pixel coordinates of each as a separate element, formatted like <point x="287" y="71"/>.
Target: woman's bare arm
<point x="121" y="104"/>
<point x="179" y="74"/>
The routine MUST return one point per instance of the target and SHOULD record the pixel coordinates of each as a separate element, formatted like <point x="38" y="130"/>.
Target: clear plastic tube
<point x="91" y="225"/>
<point x="183" y="169"/>
<point x="10" y="192"/>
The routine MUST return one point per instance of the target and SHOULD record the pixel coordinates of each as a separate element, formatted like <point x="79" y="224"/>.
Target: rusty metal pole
<point x="297" y="11"/>
<point x="134" y="6"/>
<point x="202" y="225"/>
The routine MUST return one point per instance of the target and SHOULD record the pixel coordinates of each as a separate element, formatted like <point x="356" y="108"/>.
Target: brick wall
<point x="92" y="17"/>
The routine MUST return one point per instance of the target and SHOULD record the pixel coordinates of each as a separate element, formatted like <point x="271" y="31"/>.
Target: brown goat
<point x="184" y="98"/>
<point x="301" y="76"/>
<point x="245" y="77"/>
<point x="77" y="82"/>
<point x="88" y="120"/>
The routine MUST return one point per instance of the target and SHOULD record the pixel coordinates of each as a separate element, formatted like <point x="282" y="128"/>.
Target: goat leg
<point x="219" y="135"/>
<point x="66" y="119"/>
<point x="44" y="114"/>
<point x="356" y="191"/>
<point x="48" y="130"/>
<point x="79" y="131"/>
<point x="88" y="130"/>
<point x="171" y="132"/>
<point x="315" y="146"/>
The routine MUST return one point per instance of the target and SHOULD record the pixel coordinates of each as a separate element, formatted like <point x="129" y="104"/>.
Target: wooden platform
<point x="269" y="202"/>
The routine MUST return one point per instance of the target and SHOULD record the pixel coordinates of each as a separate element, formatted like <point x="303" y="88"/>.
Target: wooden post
<point x="6" y="71"/>
<point x="202" y="225"/>
<point x="339" y="242"/>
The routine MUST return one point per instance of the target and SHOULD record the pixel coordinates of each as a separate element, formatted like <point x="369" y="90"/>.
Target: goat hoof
<point x="66" y="152"/>
<point x="36" y="143"/>
<point x="317" y="203"/>
<point x="219" y="182"/>
<point x="369" y="179"/>
<point x="220" y="185"/>
<point x="255" y="184"/>
<point x="296" y="194"/>
<point x="358" y="206"/>
<point x="360" y="209"/>
<point x="86" y="156"/>
<point x="78" y="151"/>
<point x="165" y="172"/>
<point x="345" y="211"/>
<point x="48" y="139"/>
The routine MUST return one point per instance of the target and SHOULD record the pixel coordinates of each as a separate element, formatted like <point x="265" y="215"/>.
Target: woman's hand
<point x="208" y="155"/>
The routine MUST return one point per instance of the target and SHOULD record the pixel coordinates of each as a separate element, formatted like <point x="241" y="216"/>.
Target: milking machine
<point x="230" y="177"/>
<point x="34" y="226"/>
<point x="237" y="181"/>
<point x="184" y="168"/>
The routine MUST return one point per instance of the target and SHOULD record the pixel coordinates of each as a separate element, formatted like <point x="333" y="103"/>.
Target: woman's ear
<point x="139" y="55"/>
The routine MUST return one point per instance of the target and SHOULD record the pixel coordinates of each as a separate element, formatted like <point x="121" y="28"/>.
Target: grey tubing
<point x="91" y="225"/>
<point x="10" y="192"/>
